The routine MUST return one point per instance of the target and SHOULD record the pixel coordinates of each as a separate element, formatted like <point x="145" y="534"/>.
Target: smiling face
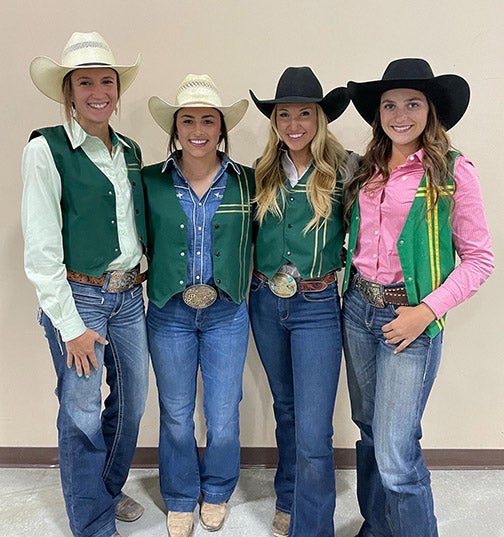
<point x="403" y="117"/>
<point x="198" y="131"/>
<point x="94" y="96"/>
<point x="297" y="126"/>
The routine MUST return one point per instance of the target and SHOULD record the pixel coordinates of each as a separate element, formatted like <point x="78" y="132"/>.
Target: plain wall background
<point x="246" y="45"/>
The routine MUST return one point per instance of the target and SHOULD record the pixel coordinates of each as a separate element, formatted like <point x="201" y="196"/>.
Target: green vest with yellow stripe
<point x="167" y="235"/>
<point x="425" y="245"/>
<point x="283" y="240"/>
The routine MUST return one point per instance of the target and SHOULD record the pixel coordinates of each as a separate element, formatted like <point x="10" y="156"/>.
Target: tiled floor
<point x="468" y="504"/>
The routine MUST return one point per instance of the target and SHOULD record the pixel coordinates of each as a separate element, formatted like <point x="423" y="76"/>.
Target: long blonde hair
<point x="323" y="189"/>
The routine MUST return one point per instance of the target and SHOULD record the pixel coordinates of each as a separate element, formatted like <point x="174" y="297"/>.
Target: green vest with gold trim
<point x="425" y="245"/>
<point x="167" y="235"/>
<point x="283" y="240"/>
<point x="88" y="204"/>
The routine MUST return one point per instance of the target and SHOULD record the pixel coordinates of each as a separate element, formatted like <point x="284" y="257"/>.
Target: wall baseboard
<point x="257" y="457"/>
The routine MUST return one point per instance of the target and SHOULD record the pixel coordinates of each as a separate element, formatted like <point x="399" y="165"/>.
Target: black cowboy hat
<point x="300" y="85"/>
<point x="449" y="93"/>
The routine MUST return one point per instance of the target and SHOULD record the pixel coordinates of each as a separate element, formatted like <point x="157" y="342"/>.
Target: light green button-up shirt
<point x="42" y="222"/>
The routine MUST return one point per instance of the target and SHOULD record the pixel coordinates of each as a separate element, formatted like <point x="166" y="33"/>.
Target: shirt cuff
<point x="71" y="329"/>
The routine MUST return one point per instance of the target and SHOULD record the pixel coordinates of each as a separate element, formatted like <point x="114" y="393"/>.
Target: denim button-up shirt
<point x="199" y="212"/>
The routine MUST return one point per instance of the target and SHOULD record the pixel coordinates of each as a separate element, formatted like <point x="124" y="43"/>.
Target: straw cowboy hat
<point x="449" y="93"/>
<point x="300" y="85"/>
<point x="83" y="50"/>
<point x="196" y="91"/>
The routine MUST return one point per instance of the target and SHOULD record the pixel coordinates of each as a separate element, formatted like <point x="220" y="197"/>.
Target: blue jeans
<point x="182" y="340"/>
<point x="95" y="447"/>
<point x="299" y="343"/>
<point x="388" y="394"/>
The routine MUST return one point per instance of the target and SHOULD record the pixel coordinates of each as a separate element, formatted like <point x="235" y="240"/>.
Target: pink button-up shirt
<point x="383" y="212"/>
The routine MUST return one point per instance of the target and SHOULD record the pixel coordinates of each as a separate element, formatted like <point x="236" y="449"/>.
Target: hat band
<point x="92" y="63"/>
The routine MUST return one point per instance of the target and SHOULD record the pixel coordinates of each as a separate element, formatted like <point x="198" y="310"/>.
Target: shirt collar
<point x="172" y="161"/>
<point x="77" y="135"/>
<point x="418" y="156"/>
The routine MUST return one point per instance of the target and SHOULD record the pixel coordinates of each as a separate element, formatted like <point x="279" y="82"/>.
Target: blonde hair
<point x="322" y="188"/>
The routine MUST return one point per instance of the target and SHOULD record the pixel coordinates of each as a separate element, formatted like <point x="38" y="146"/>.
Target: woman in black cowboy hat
<point x="294" y="302"/>
<point x="413" y="205"/>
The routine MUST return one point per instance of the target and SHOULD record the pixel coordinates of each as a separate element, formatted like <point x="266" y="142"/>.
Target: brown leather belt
<point x="312" y="285"/>
<point x="116" y="281"/>
<point x="379" y="295"/>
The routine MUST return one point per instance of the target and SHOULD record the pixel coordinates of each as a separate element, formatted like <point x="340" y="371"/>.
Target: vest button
<point x="289" y="226"/>
<point x="217" y="226"/>
<point x="182" y="226"/>
<point x="182" y="254"/>
<point x="218" y="280"/>
<point x="217" y="254"/>
<point x="181" y="282"/>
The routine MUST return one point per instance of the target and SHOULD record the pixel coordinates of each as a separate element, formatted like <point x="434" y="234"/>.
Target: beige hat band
<point x="85" y="52"/>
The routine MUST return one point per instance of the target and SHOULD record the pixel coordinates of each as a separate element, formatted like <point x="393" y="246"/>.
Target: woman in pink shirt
<point x="414" y="205"/>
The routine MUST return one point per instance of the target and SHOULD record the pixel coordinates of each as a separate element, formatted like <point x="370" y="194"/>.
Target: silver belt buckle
<point x="283" y="285"/>
<point x="121" y="281"/>
<point x="199" y="296"/>
<point x="372" y="292"/>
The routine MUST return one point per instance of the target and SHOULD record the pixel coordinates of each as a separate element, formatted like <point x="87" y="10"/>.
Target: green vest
<point x="88" y="204"/>
<point x="167" y="235"/>
<point x="282" y="240"/>
<point x="425" y="245"/>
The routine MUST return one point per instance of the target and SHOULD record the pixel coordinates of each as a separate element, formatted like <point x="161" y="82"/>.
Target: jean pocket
<point x="86" y="294"/>
<point x="330" y="293"/>
<point x="256" y="284"/>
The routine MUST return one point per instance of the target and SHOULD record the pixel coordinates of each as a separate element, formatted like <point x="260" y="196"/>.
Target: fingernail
<point x="106" y="342"/>
<point x="87" y="376"/>
<point x="79" y="375"/>
<point x="69" y="366"/>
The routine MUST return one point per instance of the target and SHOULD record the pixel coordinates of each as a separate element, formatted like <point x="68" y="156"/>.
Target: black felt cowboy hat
<point x="449" y="93"/>
<point x="300" y="85"/>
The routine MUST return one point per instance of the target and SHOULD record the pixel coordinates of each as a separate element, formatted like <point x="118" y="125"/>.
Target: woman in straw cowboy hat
<point x="84" y="229"/>
<point x="414" y="203"/>
<point x="294" y="302"/>
<point x="199" y="228"/>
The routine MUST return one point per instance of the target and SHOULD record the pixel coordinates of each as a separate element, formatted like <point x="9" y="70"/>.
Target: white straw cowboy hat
<point x="83" y="50"/>
<point x="196" y="91"/>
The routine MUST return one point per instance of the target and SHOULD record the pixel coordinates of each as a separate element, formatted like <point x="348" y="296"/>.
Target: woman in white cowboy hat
<point x="84" y="227"/>
<point x="414" y="203"/>
<point x="294" y="302"/>
<point x="199" y="227"/>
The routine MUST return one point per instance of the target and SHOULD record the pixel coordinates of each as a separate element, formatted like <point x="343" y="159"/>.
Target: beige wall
<point x="243" y="45"/>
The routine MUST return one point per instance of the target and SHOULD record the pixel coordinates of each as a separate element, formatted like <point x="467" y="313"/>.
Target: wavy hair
<point x="329" y="159"/>
<point x="436" y="161"/>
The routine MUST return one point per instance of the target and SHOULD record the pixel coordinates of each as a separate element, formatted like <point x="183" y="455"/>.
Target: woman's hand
<point x="80" y="351"/>
<point x="411" y="321"/>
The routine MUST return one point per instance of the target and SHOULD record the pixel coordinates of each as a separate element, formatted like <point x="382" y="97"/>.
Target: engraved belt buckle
<point x="121" y="281"/>
<point x="283" y="285"/>
<point x="199" y="296"/>
<point x="372" y="292"/>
